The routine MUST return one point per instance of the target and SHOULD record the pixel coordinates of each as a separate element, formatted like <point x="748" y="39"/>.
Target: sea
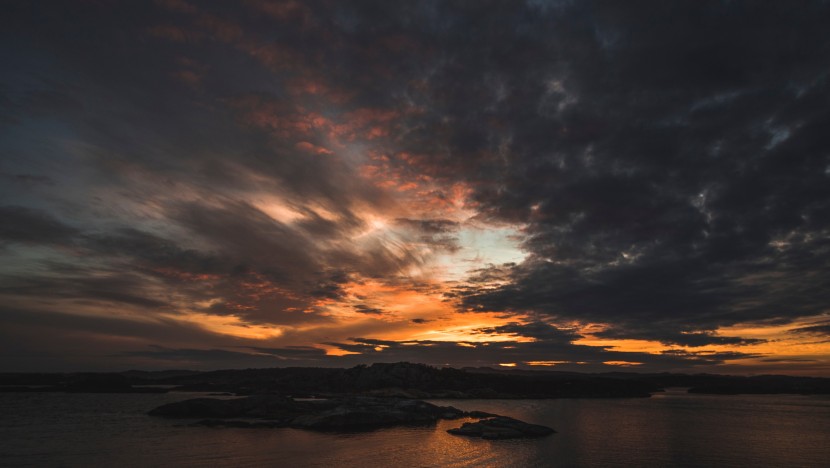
<point x="671" y="429"/>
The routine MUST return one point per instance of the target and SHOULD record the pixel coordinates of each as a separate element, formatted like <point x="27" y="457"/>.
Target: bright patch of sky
<point x="482" y="245"/>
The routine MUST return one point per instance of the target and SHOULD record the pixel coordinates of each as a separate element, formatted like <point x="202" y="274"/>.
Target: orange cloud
<point x="283" y="120"/>
<point x="311" y="148"/>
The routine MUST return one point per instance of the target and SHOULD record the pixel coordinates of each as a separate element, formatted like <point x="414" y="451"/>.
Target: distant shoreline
<point x="412" y="381"/>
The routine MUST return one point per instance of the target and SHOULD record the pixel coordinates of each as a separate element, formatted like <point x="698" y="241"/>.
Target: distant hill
<point x="410" y="380"/>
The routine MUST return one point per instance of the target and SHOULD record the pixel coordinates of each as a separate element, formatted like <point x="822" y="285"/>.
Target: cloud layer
<point x="571" y="184"/>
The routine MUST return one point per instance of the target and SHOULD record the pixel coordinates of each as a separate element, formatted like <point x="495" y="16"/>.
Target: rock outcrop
<point x="353" y="413"/>
<point x="358" y="413"/>
<point x="501" y="427"/>
<point x="341" y="414"/>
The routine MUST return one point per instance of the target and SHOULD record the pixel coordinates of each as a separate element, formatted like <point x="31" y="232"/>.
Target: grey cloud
<point x="682" y="144"/>
<point x="28" y="180"/>
<point x="53" y="338"/>
<point x="437" y="233"/>
<point x="690" y="339"/>
<point x="364" y="309"/>
<point x="51" y="325"/>
<point x="30" y="226"/>
<point x="215" y="357"/>
<point x="818" y="330"/>
<point x="292" y="352"/>
<point x="430" y="226"/>
<point x="539" y="330"/>
<point x="195" y="358"/>
<point x="153" y="251"/>
<point x="117" y="288"/>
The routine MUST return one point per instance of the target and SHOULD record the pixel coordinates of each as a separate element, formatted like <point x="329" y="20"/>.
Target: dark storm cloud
<point x="152" y="252"/>
<point x="49" y="102"/>
<point x="437" y="233"/>
<point x="668" y="159"/>
<point x="256" y="357"/>
<point x="201" y="358"/>
<point x="364" y="309"/>
<point x="23" y="325"/>
<point x="42" y="338"/>
<point x="246" y="233"/>
<point x="538" y="330"/>
<point x="430" y="226"/>
<point x="818" y="330"/>
<point x="690" y="339"/>
<point x="190" y="354"/>
<point x="292" y="352"/>
<point x="29" y="226"/>
<point x="28" y="180"/>
<point x="118" y="288"/>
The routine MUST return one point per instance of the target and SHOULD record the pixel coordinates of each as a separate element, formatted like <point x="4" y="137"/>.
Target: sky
<point x="554" y="185"/>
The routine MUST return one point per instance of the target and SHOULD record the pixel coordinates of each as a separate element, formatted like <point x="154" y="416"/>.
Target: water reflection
<point x="672" y="429"/>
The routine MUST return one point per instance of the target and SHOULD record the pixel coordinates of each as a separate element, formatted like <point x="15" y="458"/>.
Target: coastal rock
<point x="354" y="413"/>
<point x="366" y="412"/>
<point x="501" y="427"/>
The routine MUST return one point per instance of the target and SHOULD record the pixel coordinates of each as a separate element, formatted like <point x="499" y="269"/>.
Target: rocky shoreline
<point x="355" y="413"/>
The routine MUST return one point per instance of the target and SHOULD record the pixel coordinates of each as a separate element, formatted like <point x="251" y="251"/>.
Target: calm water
<point x="671" y="429"/>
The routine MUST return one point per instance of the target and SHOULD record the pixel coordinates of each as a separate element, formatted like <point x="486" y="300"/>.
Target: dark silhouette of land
<point x="354" y="413"/>
<point x="382" y="395"/>
<point x="413" y="381"/>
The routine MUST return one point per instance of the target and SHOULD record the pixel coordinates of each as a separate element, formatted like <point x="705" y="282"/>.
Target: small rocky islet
<point x="342" y="414"/>
<point x="501" y="427"/>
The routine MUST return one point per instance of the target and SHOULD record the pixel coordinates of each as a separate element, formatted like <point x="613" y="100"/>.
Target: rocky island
<point x="341" y="414"/>
<point x="501" y="427"/>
